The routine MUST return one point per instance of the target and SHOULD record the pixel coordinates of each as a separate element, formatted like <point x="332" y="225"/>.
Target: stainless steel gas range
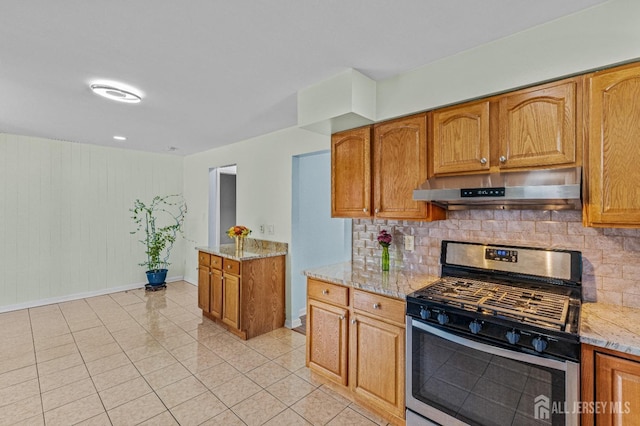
<point x="495" y="340"/>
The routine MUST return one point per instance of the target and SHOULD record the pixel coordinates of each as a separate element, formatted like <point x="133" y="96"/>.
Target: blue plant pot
<point x="157" y="276"/>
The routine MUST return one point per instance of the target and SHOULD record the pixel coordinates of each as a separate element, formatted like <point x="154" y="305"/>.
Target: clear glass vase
<point x="385" y="258"/>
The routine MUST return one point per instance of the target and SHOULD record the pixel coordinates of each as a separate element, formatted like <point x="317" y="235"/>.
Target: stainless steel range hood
<point x="548" y="189"/>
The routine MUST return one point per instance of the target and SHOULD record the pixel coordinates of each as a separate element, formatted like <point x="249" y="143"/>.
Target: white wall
<point x="65" y="220"/>
<point x="596" y="37"/>
<point x="263" y="186"/>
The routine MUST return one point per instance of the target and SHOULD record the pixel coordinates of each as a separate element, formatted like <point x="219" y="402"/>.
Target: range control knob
<point x="443" y="318"/>
<point x="540" y="343"/>
<point x="475" y="326"/>
<point x="424" y="313"/>
<point x="513" y="336"/>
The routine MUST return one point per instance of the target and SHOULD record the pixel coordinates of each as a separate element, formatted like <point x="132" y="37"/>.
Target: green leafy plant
<point x="159" y="237"/>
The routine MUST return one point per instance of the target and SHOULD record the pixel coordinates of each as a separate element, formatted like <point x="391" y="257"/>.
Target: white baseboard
<point x="76" y="296"/>
<point x="296" y="322"/>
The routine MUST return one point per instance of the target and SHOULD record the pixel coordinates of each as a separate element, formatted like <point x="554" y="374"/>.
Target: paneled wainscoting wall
<point x="611" y="256"/>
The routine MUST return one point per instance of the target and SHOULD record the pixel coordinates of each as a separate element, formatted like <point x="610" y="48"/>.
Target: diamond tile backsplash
<point x="610" y="256"/>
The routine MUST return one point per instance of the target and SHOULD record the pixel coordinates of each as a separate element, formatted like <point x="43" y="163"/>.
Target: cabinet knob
<point x="228" y="266"/>
<point x="483" y="161"/>
<point x="364" y="210"/>
<point x="325" y="292"/>
<point x="341" y="317"/>
<point x="209" y="273"/>
<point x="503" y="159"/>
<point x="376" y="306"/>
<point x="353" y="321"/>
<point x="376" y="211"/>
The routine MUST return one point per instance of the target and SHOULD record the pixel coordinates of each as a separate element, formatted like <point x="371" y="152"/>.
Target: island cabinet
<point x="247" y="296"/>
<point x="536" y="127"/>
<point x="374" y="171"/>
<point x="356" y="339"/>
<point x="612" y="175"/>
<point x="610" y="387"/>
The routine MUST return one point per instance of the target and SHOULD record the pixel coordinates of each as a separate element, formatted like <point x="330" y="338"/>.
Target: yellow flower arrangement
<point x="238" y="231"/>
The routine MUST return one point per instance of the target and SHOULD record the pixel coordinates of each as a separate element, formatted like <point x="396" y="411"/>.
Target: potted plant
<point x="159" y="222"/>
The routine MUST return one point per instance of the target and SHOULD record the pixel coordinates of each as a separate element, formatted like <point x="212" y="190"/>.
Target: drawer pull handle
<point x="376" y="306"/>
<point x="325" y="292"/>
<point x="228" y="266"/>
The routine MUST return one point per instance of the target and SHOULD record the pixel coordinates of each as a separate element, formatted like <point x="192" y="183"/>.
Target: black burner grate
<point x="538" y="307"/>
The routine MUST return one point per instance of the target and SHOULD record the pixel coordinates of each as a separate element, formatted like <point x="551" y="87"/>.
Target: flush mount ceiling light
<point x="120" y="138"/>
<point x="115" y="93"/>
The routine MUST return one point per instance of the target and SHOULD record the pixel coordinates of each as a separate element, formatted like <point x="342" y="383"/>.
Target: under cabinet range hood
<point x="548" y="189"/>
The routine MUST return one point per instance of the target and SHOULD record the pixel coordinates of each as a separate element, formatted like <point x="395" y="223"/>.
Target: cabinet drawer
<point x="203" y="258"/>
<point x="216" y="262"/>
<point x="331" y="293"/>
<point x="379" y="306"/>
<point x="231" y="266"/>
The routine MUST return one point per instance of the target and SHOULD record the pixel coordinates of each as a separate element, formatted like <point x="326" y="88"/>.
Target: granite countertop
<point x="253" y="249"/>
<point x="610" y="326"/>
<point x="396" y="283"/>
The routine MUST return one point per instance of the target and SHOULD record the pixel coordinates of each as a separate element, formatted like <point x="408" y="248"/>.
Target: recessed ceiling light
<point x="120" y="138"/>
<point x="172" y="148"/>
<point x="114" y="93"/>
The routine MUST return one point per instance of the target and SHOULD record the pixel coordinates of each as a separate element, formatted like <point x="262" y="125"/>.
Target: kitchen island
<point x="243" y="290"/>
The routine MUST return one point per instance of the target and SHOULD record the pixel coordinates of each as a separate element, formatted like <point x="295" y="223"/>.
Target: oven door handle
<point x="506" y="353"/>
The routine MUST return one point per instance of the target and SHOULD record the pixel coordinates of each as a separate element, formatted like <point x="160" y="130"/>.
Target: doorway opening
<point x="222" y="203"/>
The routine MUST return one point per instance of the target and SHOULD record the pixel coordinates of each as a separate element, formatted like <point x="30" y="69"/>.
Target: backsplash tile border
<point x="611" y="256"/>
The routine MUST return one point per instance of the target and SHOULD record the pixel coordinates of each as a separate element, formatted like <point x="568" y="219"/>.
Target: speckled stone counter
<point x="610" y="326"/>
<point x="253" y="249"/>
<point x="395" y="283"/>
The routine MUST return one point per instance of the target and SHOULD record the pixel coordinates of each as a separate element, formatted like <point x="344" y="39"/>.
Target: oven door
<point x="452" y="380"/>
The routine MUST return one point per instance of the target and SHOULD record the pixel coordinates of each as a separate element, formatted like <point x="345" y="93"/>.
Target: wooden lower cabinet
<point x="204" y="287"/>
<point x="611" y="381"/>
<point x="215" y="298"/>
<point x="246" y="296"/>
<point x="327" y="340"/>
<point x="376" y="363"/>
<point x="231" y="301"/>
<point x="356" y="340"/>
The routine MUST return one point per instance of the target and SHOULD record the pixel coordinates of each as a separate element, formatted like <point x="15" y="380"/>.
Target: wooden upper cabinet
<point x="538" y="126"/>
<point x="613" y="155"/>
<point x="399" y="167"/>
<point x="394" y="159"/>
<point x="461" y="138"/>
<point x="532" y="128"/>
<point x="351" y="173"/>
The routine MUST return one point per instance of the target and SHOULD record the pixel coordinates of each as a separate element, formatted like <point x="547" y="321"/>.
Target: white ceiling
<point x="215" y="72"/>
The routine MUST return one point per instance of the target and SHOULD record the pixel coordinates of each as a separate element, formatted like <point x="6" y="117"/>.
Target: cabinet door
<point x="618" y="385"/>
<point x="327" y="340"/>
<point x="377" y="363"/>
<point x="613" y="172"/>
<point x="351" y="173"/>
<point x="538" y="126"/>
<point x="215" y="301"/>
<point x="400" y="166"/>
<point x="231" y="301"/>
<point x="461" y="138"/>
<point x="204" y="289"/>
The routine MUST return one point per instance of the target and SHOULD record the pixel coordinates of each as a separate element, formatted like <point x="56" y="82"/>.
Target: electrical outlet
<point x="408" y="243"/>
<point x="262" y="229"/>
<point x="270" y="229"/>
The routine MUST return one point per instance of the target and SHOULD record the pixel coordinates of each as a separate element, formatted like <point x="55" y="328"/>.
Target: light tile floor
<point x="150" y="358"/>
